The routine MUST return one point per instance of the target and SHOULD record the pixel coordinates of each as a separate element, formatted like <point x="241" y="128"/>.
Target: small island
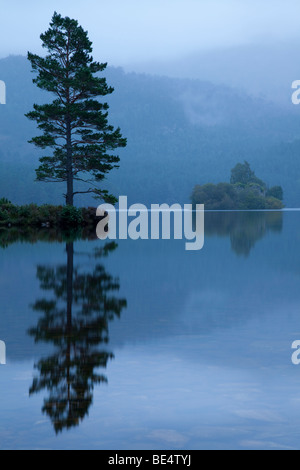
<point x="244" y="192"/>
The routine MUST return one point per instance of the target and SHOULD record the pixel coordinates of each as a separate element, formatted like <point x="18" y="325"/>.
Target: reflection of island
<point x="76" y="322"/>
<point x="243" y="228"/>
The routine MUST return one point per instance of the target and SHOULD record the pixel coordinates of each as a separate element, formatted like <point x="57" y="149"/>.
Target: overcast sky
<point x="136" y="31"/>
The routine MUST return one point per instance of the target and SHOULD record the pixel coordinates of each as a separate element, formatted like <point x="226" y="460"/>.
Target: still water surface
<point x="147" y="346"/>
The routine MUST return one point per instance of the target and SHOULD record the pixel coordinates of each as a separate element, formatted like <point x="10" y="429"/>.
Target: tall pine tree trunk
<point x="70" y="185"/>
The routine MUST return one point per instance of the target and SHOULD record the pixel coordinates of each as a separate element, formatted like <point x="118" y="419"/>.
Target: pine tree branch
<point x="89" y="191"/>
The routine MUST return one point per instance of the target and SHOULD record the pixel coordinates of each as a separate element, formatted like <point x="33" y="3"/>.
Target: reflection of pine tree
<point x="76" y="322"/>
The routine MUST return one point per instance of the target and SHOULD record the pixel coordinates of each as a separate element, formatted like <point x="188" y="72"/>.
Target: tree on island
<point x="75" y="124"/>
<point x="276" y="192"/>
<point x="242" y="174"/>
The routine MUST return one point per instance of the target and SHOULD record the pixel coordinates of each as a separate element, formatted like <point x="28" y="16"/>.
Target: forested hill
<point x="180" y="133"/>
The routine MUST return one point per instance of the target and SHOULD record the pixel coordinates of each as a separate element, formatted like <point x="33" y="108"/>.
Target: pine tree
<point x="75" y="125"/>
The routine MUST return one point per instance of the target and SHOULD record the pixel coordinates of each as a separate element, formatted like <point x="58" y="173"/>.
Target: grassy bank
<point x="46" y="216"/>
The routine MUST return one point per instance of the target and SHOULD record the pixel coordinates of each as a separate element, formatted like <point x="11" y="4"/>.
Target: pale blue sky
<point x="135" y="31"/>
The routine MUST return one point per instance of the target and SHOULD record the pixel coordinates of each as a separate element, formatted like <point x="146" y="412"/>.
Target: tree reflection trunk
<point x="70" y="272"/>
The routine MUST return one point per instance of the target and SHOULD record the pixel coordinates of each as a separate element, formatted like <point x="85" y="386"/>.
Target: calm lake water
<point x="147" y="346"/>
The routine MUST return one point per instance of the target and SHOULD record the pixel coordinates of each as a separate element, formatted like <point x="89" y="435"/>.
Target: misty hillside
<point x="266" y="70"/>
<point x="180" y="133"/>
